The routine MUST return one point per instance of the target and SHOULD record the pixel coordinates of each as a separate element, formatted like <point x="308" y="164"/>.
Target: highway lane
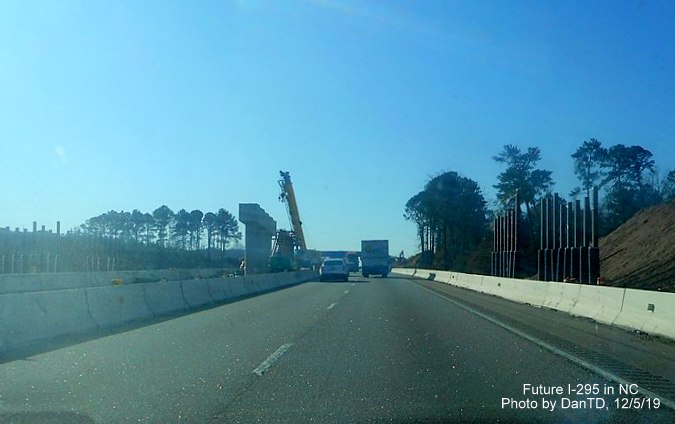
<point x="366" y="351"/>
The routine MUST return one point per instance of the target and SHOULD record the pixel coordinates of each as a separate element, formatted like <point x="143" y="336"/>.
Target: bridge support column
<point x="260" y="228"/>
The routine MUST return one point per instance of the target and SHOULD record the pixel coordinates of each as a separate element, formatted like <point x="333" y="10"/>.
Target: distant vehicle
<point x="342" y="254"/>
<point x="375" y="258"/>
<point x="334" y="269"/>
<point x="352" y="259"/>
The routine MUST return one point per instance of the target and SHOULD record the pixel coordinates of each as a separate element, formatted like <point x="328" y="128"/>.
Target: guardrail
<point x="647" y="311"/>
<point x="35" y="316"/>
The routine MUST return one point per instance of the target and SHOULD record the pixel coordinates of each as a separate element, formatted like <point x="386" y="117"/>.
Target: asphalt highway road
<point x="370" y="350"/>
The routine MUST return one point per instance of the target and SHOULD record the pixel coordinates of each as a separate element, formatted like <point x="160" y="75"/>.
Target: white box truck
<point x="375" y="258"/>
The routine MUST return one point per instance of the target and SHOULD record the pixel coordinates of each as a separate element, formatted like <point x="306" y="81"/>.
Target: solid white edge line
<point x="608" y="375"/>
<point x="267" y="363"/>
<point x="331" y="306"/>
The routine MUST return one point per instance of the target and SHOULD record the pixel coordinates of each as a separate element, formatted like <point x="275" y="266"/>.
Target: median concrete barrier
<point x="165" y="297"/>
<point x="196" y="293"/>
<point x="31" y="317"/>
<point x="24" y="283"/>
<point x="115" y="305"/>
<point x="218" y="288"/>
<point x="238" y="287"/>
<point x="425" y="274"/>
<point x="533" y="292"/>
<point x="442" y="277"/>
<point x="404" y="271"/>
<point x="453" y="279"/>
<point x="602" y="304"/>
<point x="500" y="287"/>
<point x="648" y="311"/>
<point x="562" y="296"/>
<point x="266" y="282"/>
<point x="469" y="281"/>
<point x="490" y="285"/>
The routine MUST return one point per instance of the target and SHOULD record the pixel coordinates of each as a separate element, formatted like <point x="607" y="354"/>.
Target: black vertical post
<point x="503" y="262"/>
<point x="559" y="248"/>
<point x="499" y="246"/>
<point x="540" y="252"/>
<point x="506" y="243"/>
<point x="577" y="239"/>
<point x="594" y="250"/>
<point x="512" y="257"/>
<point x="512" y="247"/>
<point x="554" y="244"/>
<point x="568" y="246"/>
<point x="516" y="252"/>
<point x="547" y="241"/>
<point x="510" y="262"/>
<point x="492" y="256"/>
<point x="583" y="250"/>
<point x="509" y="232"/>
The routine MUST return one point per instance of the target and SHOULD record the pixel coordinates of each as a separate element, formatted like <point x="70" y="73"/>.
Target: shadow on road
<point x="352" y="279"/>
<point x="358" y="280"/>
<point x="37" y="347"/>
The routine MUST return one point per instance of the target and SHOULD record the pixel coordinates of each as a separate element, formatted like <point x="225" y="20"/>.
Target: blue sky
<point x="198" y="105"/>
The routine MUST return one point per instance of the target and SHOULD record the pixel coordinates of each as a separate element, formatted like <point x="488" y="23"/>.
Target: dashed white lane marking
<point x="353" y="284"/>
<point x="267" y="363"/>
<point x="346" y="291"/>
<point x="332" y="305"/>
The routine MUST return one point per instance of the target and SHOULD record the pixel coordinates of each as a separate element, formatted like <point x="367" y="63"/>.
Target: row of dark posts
<point x="505" y="253"/>
<point x="39" y="252"/>
<point x="568" y="245"/>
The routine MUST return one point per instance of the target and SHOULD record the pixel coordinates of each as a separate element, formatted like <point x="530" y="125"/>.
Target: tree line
<point x="626" y="174"/>
<point x="453" y="221"/>
<point x="165" y="228"/>
<point x="126" y="241"/>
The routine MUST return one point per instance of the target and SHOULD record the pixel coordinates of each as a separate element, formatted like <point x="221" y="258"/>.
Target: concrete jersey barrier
<point x="28" y="317"/>
<point x="648" y="311"/>
<point x="602" y="304"/>
<point x="196" y="293"/>
<point x="31" y="317"/>
<point x="165" y="297"/>
<point x="115" y="305"/>
<point x="22" y="283"/>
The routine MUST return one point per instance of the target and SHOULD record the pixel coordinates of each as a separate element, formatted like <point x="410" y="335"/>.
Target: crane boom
<point x="288" y="196"/>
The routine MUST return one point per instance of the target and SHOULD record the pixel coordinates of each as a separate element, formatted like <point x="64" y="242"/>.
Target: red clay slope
<point x="641" y="252"/>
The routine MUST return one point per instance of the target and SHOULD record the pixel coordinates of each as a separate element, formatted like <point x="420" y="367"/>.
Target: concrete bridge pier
<point x="260" y="228"/>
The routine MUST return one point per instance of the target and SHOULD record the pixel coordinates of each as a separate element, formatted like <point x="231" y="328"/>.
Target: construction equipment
<point x="283" y="256"/>
<point x="288" y="196"/>
<point x="290" y="249"/>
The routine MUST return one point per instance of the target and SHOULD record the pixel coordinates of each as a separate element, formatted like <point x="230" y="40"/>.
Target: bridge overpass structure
<point x="420" y="346"/>
<point x="260" y="229"/>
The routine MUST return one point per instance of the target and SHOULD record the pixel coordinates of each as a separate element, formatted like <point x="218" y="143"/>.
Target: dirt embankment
<point x="641" y="252"/>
